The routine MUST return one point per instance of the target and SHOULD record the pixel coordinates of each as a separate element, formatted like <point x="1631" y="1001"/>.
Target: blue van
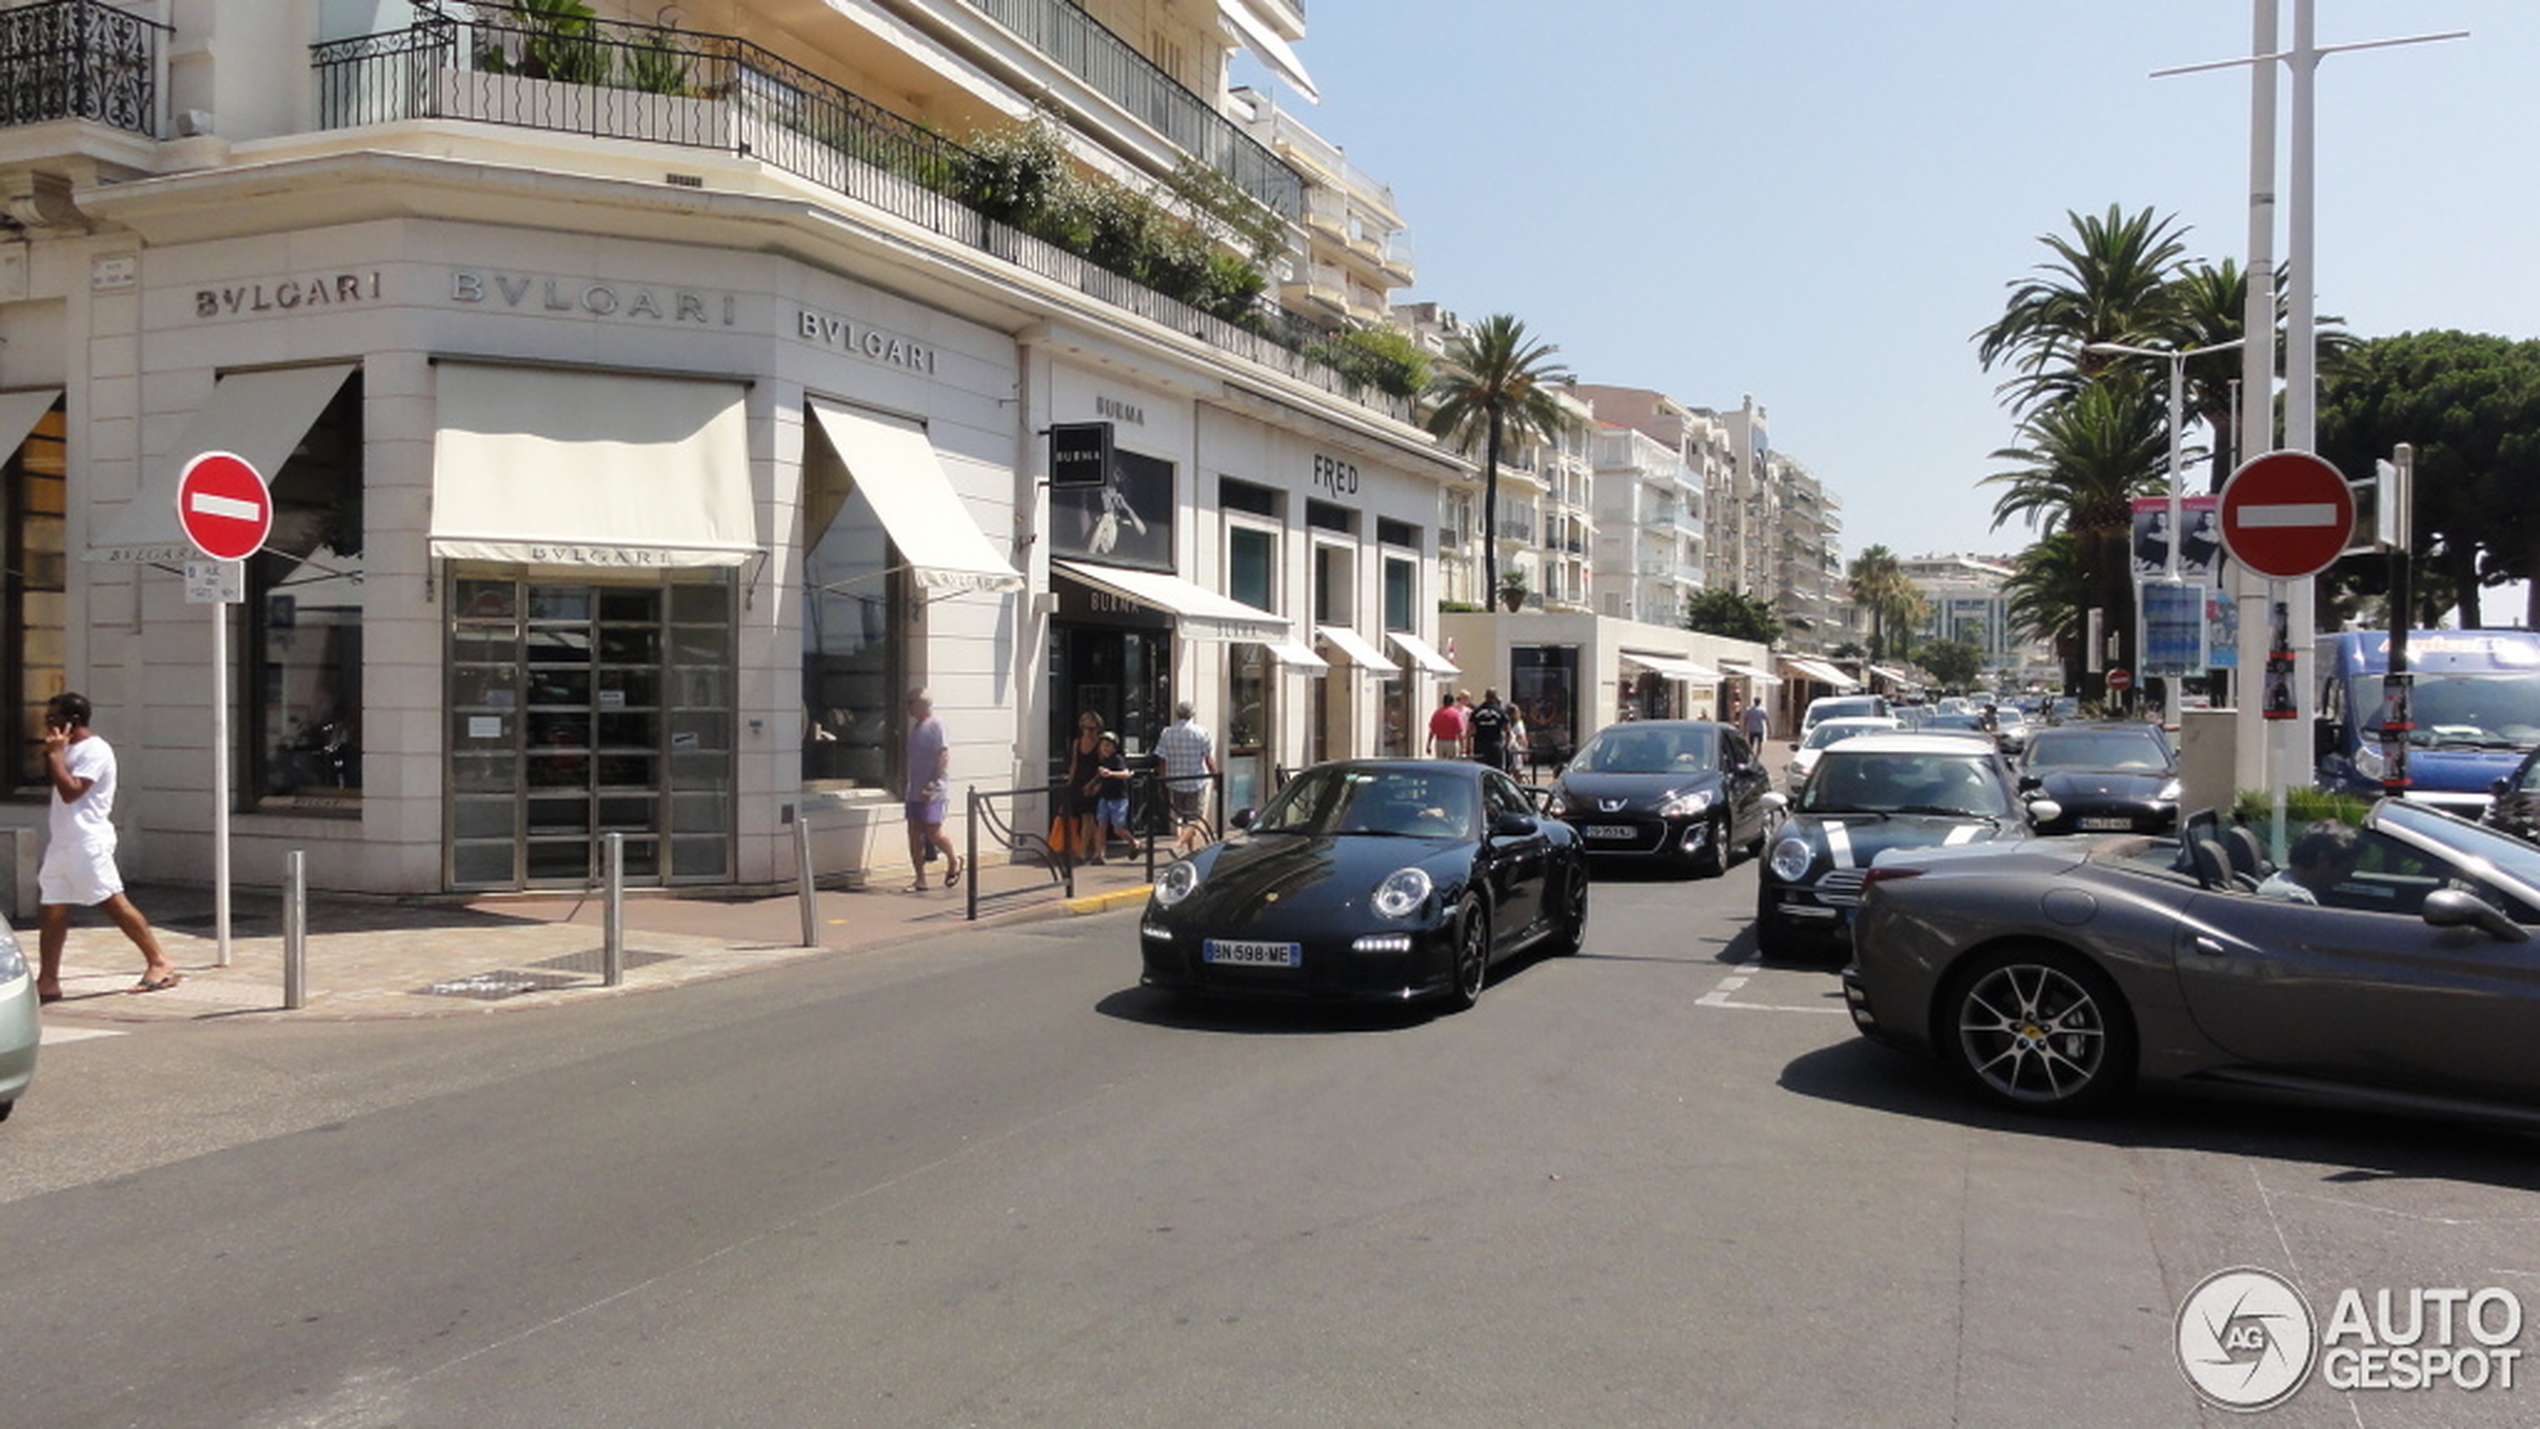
<point x="2477" y="712"/>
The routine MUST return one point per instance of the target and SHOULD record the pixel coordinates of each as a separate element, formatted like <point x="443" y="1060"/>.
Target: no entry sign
<point x="222" y="504"/>
<point x="2120" y="680"/>
<point x="2286" y="515"/>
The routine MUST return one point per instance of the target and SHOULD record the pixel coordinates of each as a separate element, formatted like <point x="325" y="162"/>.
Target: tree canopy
<point x="1732" y="613"/>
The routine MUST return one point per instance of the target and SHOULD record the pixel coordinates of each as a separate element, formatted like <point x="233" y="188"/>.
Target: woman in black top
<point x="1084" y="771"/>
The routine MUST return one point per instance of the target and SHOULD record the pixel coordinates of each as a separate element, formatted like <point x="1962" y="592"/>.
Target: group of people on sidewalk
<point x="1492" y="732"/>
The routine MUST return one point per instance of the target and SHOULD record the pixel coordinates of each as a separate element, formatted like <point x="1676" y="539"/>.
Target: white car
<point x="19" y="1027"/>
<point x="1826" y="733"/>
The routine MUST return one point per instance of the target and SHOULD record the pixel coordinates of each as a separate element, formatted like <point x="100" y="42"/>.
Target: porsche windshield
<point x="1409" y="802"/>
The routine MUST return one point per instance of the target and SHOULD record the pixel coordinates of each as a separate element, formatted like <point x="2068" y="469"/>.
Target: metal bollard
<point x="613" y="915"/>
<point x="806" y="882"/>
<point x="295" y="930"/>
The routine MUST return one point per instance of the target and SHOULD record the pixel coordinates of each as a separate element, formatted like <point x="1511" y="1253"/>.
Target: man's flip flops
<point x="158" y="984"/>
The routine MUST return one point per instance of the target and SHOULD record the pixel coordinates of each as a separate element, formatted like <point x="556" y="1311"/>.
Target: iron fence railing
<point x="79" y="59"/>
<point x="646" y="83"/>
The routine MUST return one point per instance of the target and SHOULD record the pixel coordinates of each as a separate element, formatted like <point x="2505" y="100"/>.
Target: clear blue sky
<point x="1817" y="201"/>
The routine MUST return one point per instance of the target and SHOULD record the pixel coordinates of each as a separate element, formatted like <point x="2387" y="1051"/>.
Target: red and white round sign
<point x="2286" y="515"/>
<point x="223" y="507"/>
<point x="2120" y="680"/>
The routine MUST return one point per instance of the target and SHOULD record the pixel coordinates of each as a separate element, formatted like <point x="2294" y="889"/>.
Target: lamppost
<point x="2178" y="358"/>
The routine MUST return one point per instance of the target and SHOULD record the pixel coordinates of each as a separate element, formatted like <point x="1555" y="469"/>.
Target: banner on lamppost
<point x="2172" y="628"/>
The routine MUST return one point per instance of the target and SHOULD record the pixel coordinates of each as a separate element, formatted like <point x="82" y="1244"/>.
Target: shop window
<point x="1252" y="566"/>
<point x="304" y="641"/>
<point x="1390" y="532"/>
<point x="1402" y="581"/>
<point x="34" y="590"/>
<point x="854" y="598"/>
<point x="1324" y="516"/>
<point x="1247" y="497"/>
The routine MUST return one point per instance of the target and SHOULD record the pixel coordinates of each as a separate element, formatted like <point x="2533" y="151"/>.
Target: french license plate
<point x="1236" y="953"/>
<point x="2104" y="823"/>
<point x="1608" y="831"/>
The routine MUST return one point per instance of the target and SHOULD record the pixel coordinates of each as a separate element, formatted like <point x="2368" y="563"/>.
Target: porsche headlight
<point x="1401" y="894"/>
<point x="2169" y="793"/>
<point x="1176" y="882"/>
<point x="1791" y="858"/>
<point x="1685" y="804"/>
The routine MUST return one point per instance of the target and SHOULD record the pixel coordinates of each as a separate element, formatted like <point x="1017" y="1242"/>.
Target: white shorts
<point x="82" y="874"/>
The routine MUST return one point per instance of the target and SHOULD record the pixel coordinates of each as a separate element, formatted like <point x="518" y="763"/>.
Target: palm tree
<point x="2110" y="282"/>
<point x="2047" y="595"/>
<point x="1495" y="386"/>
<point x="1879" y="586"/>
<point x="2081" y="464"/>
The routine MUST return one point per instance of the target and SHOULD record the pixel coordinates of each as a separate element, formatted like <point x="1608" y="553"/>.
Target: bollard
<point x="295" y="930"/>
<point x="613" y="915"/>
<point x="806" y="883"/>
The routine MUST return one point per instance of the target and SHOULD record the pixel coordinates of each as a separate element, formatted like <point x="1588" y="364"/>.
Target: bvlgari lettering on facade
<point x="848" y="335"/>
<point x="282" y="295"/>
<point x="597" y="299"/>
<point x="1119" y="411"/>
<point x="1336" y="476"/>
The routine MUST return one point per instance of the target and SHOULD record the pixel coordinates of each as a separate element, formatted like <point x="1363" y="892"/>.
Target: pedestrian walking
<point x="929" y="767"/>
<point x="1758" y="723"/>
<point x="1488" y="731"/>
<point x="1520" y="744"/>
<point x="1084" y="785"/>
<point x="79" y="854"/>
<point x="1111" y="800"/>
<point x="1187" y="757"/>
<point x="1446" y="728"/>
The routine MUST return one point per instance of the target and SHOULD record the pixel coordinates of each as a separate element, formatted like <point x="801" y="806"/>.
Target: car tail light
<point x="1876" y="875"/>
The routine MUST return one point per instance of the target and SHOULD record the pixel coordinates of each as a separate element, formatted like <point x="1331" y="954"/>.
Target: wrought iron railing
<point x="496" y="65"/>
<point x="79" y="59"/>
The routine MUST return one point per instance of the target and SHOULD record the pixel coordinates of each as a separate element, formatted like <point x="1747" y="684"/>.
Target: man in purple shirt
<point x="929" y="770"/>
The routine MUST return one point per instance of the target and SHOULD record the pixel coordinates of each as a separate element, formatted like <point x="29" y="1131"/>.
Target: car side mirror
<point x="2044" y="811"/>
<point x="1243" y="818"/>
<point x="2452" y="908"/>
<point x="1511" y="825"/>
<point x="2031" y="783"/>
<point x="1776" y="801"/>
<point x="2502" y="787"/>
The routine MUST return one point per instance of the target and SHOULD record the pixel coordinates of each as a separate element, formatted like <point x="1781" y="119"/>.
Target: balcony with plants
<point x="1192" y="256"/>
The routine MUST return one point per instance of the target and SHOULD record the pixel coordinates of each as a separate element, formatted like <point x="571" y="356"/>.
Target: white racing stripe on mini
<point x="1963" y="834"/>
<point x="1839" y="843"/>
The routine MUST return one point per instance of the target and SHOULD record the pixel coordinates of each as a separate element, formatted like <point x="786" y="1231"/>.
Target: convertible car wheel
<point x="1572" y="933"/>
<point x="1472" y="955"/>
<point x="2038" y="1029"/>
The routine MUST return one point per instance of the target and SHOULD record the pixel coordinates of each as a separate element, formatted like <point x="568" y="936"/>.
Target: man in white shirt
<point x="79" y="855"/>
<point x="2321" y="857"/>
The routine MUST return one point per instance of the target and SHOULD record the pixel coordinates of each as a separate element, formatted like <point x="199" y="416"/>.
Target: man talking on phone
<point x="79" y="857"/>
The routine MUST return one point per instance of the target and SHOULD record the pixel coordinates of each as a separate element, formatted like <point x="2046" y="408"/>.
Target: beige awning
<point x="1199" y="613"/>
<point x="1295" y="656"/>
<point x="1267" y="46"/>
<point x="1890" y="672"/>
<point x="894" y="465"/>
<point x="1422" y="653"/>
<point x="1738" y="671"/>
<point x="556" y="468"/>
<point x="1820" y="672"/>
<point x="1672" y="667"/>
<point x="1355" y="649"/>
<point x="257" y="416"/>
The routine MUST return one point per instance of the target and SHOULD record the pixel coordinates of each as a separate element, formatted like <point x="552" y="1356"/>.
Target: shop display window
<point x="34" y="646"/>
<point x="303" y="695"/>
<point x="853" y="599"/>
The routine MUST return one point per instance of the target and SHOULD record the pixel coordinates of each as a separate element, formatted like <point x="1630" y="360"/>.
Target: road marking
<point x="1720" y="996"/>
<point x="56" y="1036"/>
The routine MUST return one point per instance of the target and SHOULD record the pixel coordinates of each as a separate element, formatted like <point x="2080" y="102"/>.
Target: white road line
<point x="55" y="1036"/>
<point x="1720" y="995"/>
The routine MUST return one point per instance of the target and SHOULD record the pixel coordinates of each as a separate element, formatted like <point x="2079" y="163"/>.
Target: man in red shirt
<point x="1446" y="728"/>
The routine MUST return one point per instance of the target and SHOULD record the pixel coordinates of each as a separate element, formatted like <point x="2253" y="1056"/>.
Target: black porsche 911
<point x="2114" y="777"/>
<point x="1370" y="881"/>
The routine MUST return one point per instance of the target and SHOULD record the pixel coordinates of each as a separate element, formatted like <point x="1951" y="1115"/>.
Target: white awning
<point x="1890" y="672"/>
<point x="1355" y="649"/>
<point x="555" y="468"/>
<point x="895" y="466"/>
<point x="1672" y="667"/>
<point x="1737" y="671"/>
<point x="1199" y="613"/>
<point x="19" y="412"/>
<point x="1821" y="672"/>
<point x="1267" y="46"/>
<point x="259" y="416"/>
<point x="1422" y="653"/>
<point x="1295" y="656"/>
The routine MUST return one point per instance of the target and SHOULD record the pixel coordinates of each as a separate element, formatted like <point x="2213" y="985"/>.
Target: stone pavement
<point x="370" y="957"/>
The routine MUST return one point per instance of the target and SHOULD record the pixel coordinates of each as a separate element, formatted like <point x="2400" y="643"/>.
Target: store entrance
<point x="1122" y="675"/>
<point x="580" y="709"/>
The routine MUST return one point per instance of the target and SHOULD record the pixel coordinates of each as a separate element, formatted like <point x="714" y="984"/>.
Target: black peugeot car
<point x="1679" y="790"/>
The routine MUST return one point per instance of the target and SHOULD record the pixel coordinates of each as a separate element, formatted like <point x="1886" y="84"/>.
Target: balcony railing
<point x="1080" y="44"/>
<point x="653" y="84"/>
<point x="79" y="59"/>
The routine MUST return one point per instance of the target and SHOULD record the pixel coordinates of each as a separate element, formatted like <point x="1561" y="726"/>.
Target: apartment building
<point x="1965" y="601"/>
<point x="647" y="406"/>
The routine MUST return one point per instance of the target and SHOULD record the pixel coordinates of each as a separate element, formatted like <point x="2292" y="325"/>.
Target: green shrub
<point x="2301" y="806"/>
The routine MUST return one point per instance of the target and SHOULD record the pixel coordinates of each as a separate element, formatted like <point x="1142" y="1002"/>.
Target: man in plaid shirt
<point x="1186" y="756"/>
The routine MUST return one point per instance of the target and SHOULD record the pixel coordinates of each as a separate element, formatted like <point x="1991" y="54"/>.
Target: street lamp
<point x="2177" y="357"/>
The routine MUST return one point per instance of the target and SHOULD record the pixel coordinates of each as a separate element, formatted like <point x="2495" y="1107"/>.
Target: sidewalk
<point x="381" y="957"/>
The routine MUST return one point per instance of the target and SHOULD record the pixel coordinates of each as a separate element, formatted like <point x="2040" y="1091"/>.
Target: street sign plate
<point x="215" y="582"/>
<point x="223" y="506"/>
<point x="2286" y="515"/>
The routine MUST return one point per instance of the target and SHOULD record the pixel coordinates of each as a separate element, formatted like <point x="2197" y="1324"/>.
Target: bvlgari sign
<point x="282" y="295"/>
<point x="594" y="298"/>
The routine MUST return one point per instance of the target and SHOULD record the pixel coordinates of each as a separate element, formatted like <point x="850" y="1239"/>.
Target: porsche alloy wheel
<point x="1572" y="933"/>
<point x="1472" y="954"/>
<point x="2038" y="1029"/>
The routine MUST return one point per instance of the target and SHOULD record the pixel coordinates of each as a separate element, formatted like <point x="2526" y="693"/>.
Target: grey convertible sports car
<point x="2395" y="965"/>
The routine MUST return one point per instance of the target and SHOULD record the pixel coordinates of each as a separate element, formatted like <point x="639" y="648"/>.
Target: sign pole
<point x="226" y="511"/>
<point x="220" y="778"/>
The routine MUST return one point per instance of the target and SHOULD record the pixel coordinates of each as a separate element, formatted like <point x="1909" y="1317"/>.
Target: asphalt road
<point x="986" y="1180"/>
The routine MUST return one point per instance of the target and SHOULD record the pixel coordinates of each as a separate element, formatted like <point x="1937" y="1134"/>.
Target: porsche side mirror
<point x="2452" y="908"/>
<point x="1512" y="825"/>
<point x="1242" y="818"/>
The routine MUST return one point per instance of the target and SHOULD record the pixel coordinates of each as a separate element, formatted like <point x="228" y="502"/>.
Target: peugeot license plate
<point x="1236" y="953"/>
<point x="1608" y="831"/>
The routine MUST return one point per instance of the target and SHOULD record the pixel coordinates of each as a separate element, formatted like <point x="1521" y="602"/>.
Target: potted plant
<point x="1512" y="589"/>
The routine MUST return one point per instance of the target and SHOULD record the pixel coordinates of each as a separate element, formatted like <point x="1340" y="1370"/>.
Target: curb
<point x="1105" y="902"/>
